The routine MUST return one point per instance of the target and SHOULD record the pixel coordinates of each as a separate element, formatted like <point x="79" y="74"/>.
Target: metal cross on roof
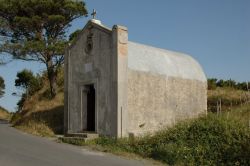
<point x="93" y="14"/>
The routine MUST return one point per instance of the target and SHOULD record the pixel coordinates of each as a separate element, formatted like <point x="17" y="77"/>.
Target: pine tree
<point x="36" y="30"/>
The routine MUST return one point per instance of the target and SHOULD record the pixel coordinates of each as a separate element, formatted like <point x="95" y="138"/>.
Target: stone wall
<point x="156" y="101"/>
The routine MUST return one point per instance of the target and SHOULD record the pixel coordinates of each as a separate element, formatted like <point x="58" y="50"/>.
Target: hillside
<point x="220" y="138"/>
<point x="230" y="98"/>
<point x="210" y="140"/>
<point x="41" y="115"/>
<point x="4" y="114"/>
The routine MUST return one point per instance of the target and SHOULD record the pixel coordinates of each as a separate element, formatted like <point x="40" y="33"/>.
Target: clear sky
<point x="214" y="32"/>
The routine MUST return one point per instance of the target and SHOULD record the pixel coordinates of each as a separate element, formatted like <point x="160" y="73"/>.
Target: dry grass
<point x="230" y="98"/>
<point x="240" y="114"/>
<point x="41" y="102"/>
<point x="229" y="93"/>
<point x="36" y="128"/>
<point x="41" y="115"/>
<point x="4" y="114"/>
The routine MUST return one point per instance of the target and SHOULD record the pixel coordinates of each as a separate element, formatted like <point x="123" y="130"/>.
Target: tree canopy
<point x="74" y="35"/>
<point x="26" y="80"/>
<point x="2" y="86"/>
<point x="36" y="30"/>
<point x="213" y="83"/>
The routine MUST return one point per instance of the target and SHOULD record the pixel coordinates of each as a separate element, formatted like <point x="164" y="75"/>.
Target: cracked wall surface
<point x="157" y="101"/>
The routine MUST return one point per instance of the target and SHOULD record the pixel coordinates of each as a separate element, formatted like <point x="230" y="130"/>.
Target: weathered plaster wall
<point x="139" y="88"/>
<point x="120" y="44"/>
<point x="156" y="101"/>
<point x="92" y="67"/>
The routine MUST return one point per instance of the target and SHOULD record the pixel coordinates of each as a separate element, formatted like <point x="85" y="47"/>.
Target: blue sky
<point x="215" y="32"/>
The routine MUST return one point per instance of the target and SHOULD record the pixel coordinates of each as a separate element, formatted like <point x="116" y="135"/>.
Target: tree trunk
<point x="52" y="76"/>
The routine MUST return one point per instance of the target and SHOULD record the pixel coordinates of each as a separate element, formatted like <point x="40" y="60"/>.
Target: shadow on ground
<point x="2" y="121"/>
<point x="53" y="118"/>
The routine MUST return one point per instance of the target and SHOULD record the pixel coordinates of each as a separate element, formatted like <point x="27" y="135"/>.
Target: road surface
<point x="20" y="149"/>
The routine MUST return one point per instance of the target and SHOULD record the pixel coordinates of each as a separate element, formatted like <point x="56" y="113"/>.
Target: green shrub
<point x="222" y="139"/>
<point x="206" y="141"/>
<point x="210" y="140"/>
<point x="213" y="83"/>
<point x="27" y="81"/>
<point x="20" y="103"/>
<point x="60" y="78"/>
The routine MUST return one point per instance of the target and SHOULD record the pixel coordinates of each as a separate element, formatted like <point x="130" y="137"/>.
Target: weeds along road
<point x="20" y="149"/>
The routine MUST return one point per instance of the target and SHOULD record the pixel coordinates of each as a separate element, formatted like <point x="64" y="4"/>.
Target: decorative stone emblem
<point x="89" y="43"/>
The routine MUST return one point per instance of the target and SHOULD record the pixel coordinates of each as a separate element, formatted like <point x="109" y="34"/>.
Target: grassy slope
<point x="214" y="140"/>
<point x="218" y="139"/>
<point x="4" y="114"/>
<point x="230" y="98"/>
<point x="40" y="115"/>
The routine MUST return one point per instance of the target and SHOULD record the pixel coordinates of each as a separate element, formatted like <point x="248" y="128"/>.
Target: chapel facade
<point x="115" y="87"/>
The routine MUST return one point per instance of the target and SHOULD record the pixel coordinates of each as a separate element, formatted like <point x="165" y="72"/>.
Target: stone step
<point x="87" y="135"/>
<point x="74" y="139"/>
